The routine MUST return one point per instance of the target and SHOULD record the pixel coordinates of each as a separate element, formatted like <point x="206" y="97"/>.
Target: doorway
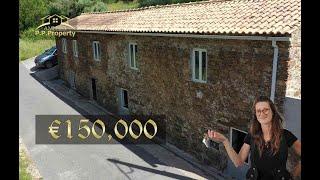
<point x="93" y="89"/>
<point x="123" y="101"/>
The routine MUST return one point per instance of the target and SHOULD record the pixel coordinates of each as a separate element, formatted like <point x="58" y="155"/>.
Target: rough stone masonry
<point x="237" y="71"/>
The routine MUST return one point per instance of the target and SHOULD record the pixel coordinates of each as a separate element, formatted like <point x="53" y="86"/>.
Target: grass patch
<point x="23" y="164"/>
<point x="120" y="5"/>
<point x="30" y="48"/>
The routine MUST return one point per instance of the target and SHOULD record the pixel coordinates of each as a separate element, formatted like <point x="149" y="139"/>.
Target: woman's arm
<point x="237" y="159"/>
<point x="297" y="148"/>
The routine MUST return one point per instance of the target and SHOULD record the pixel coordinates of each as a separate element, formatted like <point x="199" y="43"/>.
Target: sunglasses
<point x="264" y="111"/>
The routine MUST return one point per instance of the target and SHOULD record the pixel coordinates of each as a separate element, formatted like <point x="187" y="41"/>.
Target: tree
<point x="73" y="8"/>
<point x="98" y="7"/>
<point x="69" y="8"/>
<point x="85" y="5"/>
<point x="30" y="13"/>
<point x="144" y="3"/>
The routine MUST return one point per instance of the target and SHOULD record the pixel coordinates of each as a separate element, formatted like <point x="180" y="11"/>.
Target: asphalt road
<point x="89" y="161"/>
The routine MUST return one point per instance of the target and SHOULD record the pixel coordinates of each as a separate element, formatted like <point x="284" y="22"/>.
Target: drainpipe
<point x="274" y="70"/>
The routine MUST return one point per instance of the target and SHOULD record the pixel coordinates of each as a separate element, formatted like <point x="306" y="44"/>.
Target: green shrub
<point x="99" y="7"/>
<point x="69" y="8"/>
<point x="110" y="1"/>
<point x="30" y="13"/>
<point x="183" y="1"/>
<point x="144" y="3"/>
<point x="121" y="5"/>
<point x="30" y="34"/>
<point x="23" y="165"/>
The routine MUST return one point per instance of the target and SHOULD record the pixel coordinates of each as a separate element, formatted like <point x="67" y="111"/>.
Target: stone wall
<point x="294" y="66"/>
<point x="238" y="70"/>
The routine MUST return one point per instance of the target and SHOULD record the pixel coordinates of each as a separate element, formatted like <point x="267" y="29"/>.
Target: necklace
<point x="267" y="144"/>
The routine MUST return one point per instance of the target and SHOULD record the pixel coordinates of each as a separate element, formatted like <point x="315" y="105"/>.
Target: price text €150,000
<point x="53" y="129"/>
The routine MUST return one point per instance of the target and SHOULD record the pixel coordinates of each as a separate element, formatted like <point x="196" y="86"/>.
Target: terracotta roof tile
<point x="209" y="17"/>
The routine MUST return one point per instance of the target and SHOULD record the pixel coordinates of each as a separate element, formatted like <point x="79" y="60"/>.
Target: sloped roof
<point x="204" y="17"/>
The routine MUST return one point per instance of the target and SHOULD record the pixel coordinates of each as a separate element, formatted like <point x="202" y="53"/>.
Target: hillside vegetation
<point x="31" y="12"/>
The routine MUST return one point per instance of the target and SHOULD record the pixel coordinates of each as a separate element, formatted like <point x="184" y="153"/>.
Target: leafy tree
<point x="98" y="7"/>
<point x="30" y="13"/>
<point x="110" y="1"/>
<point x="73" y="8"/>
<point x="182" y="1"/>
<point x="92" y="6"/>
<point x="85" y="5"/>
<point x="144" y="3"/>
<point x="69" y="8"/>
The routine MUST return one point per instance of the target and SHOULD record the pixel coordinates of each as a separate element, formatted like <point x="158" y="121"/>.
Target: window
<point x="199" y="65"/>
<point x="237" y="139"/>
<point x="64" y="45"/>
<point x="55" y="20"/>
<point x="96" y="50"/>
<point x="133" y="51"/>
<point x="75" y="48"/>
<point x="124" y="98"/>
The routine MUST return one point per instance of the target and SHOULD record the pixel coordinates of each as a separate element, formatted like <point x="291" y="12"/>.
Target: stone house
<point x="201" y="64"/>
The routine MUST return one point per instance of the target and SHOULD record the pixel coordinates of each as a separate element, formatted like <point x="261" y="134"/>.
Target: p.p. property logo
<point x="51" y="21"/>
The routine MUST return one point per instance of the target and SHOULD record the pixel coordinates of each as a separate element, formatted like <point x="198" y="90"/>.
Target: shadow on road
<point x="163" y="173"/>
<point x="35" y="69"/>
<point x="139" y="151"/>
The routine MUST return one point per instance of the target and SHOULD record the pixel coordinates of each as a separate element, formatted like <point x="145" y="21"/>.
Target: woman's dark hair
<point x="276" y="129"/>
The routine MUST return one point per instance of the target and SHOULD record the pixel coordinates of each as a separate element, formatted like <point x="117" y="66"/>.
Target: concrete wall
<point x="237" y="72"/>
<point x="293" y="92"/>
<point x="292" y="103"/>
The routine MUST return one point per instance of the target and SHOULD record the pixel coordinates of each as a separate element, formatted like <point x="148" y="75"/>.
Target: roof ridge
<point x="158" y="6"/>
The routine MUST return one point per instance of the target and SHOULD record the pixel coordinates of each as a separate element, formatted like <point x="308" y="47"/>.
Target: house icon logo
<point x="50" y="21"/>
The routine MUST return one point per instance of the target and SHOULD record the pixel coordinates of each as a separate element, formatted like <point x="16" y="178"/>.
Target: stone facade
<point x="294" y="66"/>
<point x="238" y="70"/>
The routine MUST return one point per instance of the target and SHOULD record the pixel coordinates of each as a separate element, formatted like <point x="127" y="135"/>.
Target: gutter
<point x="274" y="70"/>
<point x="257" y="38"/>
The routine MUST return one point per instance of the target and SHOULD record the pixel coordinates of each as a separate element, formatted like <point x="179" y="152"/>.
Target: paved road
<point x="89" y="161"/>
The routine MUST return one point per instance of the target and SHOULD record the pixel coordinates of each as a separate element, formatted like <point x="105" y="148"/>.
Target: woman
<point x="268" y="139"/>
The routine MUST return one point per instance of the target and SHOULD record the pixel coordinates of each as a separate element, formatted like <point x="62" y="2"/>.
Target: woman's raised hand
<point x="218" y="137"/>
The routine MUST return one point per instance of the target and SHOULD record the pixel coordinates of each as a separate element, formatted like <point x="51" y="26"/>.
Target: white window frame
<point x="200" y="65"/>
<point x="230" y="140"/>
<point x="75" y="48"/>
<point x="122" y="99"/>
<point x="96" y="52"/>
<point x="135" y="67"/>
<point x="64" y="45"/>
